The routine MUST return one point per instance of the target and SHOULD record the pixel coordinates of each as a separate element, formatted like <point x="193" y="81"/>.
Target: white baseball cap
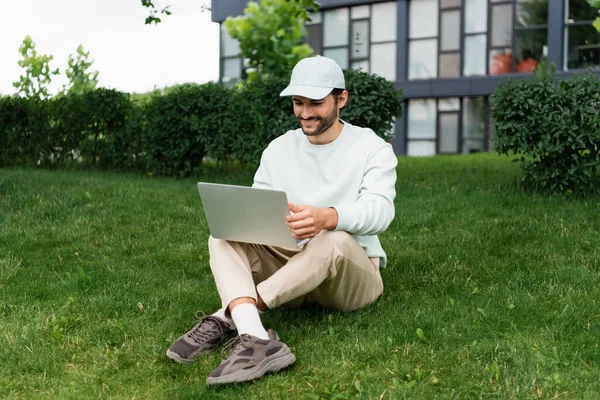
<point x="314" y="78"/>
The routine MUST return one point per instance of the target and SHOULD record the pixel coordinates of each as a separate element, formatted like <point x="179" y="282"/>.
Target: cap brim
<point x="310" y="92"/>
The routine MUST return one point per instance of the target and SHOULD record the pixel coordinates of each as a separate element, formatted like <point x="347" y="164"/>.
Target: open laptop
<point x="246" y="214"/>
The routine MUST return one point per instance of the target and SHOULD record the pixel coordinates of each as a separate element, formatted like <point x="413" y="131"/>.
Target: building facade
<point x="447" y="56"/>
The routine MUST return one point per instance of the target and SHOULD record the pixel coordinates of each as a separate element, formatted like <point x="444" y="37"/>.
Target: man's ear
<point x="343" y="99"/>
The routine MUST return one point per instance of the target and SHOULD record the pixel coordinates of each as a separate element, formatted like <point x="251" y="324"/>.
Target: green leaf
<point x="150" y="19"/>
<point x="596" y="23"/>
<point x="594" y="3"/>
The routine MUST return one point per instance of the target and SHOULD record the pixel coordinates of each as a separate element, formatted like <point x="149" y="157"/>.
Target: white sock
<point x="221" y="314"/>
<point x="247" y="320"/>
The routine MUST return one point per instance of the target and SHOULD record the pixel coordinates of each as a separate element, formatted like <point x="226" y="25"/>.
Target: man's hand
<point x="307" y="221"/>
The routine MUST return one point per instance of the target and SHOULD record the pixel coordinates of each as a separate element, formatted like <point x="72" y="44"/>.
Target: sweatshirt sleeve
<point x="262" y="178"/>
<point x="373" y="211"/>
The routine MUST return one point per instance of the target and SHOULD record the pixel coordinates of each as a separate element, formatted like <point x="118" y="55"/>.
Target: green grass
<point x="491" y="292"/>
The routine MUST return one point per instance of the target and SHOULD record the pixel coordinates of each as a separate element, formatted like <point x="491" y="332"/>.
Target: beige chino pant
<point x="331" y="270"/>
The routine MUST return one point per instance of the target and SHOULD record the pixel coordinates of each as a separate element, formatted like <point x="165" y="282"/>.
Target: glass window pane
<point x="316" y="18"/>
<point x="583" y="47"/>
<point x="532" y="13"/>
<point x="340" y="55"/>
<point x="314" y="37"/>
<point x="530" y="48"/>
<point x="232" y="68"/>
<point x="492" y="134"/>
<point x="360" y="39"/>
<point x="500" y="62"/>
<point x="383" y="60"/>
<point x="383" y="20"/>
<point x="360" y="12"/>
<point x="580" y="10"/>
<point x="423" y="18"/>
<point x="231" y="47"/>
<point x="362" y="65"/>
<point x="475" y="48"/>
<point x="335" y="29"/>
<point x="450" y="3"/>
<point x="472" y="146"/>
<point x="449" y="104"/>
<point x="449" y="65"/>
<point x="422" y="59"/>
<point x="421" y="119"/>
<point x="473" y="118"/>
<point x="502" y="27"/>
<point x="450" y="35"/>
<point x="476" y="16"/>
<point x="420" y="148"/>
<point x="449" y="133"/>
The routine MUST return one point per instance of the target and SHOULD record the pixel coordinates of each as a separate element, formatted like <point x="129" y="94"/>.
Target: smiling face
<point x="316" y="117"/>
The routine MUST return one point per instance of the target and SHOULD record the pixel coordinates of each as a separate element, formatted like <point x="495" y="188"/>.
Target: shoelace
<point x="199" y="334"/>
<point x="236" y="344"/>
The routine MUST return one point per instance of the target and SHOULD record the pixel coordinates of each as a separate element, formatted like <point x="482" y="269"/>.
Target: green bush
<point x="186" y="124"/>
<point x="89" y="128"/>
<point x="554" y="127"/>
<point x="171" y="134"/>
<point x="24" y="131"/>
<point x="266" y="116"/>
<point x="374" y="103"/>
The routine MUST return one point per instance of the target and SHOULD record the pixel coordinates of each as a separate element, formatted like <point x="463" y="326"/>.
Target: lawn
<point x="491" y="292"/>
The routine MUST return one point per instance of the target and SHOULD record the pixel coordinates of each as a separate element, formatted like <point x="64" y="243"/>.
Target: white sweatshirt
<point x="355" y="174"/>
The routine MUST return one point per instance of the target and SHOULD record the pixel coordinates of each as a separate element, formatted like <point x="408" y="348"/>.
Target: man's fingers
<point x="292" y="207"/>
<point x="303" y="233"/>
<point x="299" y="216"/>
<point x="303" y="223"/>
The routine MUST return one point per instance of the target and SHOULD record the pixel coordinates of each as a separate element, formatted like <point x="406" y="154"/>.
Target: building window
<point x="474" y="120"/>
<point x="335" y="35"/>
<point x="518" y="35"/>
<point x="360" y="37"/>
<point x="423" y="39"/>
<point x="582" y="45"/>
<point x="231" y="63"/>
<point x="449" y="51"/>
<point x="314" y="37"/>
<point x="475" y="37"/>
<point x="448" y="126"/>
<point x="422" y="123"/>
<point x="452" y="38"/>
<point x="383" y="40"/>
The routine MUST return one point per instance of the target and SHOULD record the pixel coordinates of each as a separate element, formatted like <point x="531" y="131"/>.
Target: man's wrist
<point x="332" y="218"/>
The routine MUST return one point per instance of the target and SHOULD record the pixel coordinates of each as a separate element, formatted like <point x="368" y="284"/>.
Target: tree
<point x="80" y="78"/>
<point x="154" y="11"/>
<point x="270" y="35"/>
<point x="595" y="4"/>
<point x="38" y="75"/>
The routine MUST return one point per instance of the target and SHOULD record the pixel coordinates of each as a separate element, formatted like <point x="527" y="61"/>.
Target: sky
<point x="129" y="55"/>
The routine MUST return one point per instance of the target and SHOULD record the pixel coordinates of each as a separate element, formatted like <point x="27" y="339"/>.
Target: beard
<point x="323" y="123"/>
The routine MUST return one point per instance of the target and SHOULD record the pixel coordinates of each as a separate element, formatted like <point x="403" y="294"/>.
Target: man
<point x="340" y="182"/>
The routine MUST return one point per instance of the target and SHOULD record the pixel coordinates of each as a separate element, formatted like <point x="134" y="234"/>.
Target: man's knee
<point x="215" y="243"/>
<point x="335" y="240"/>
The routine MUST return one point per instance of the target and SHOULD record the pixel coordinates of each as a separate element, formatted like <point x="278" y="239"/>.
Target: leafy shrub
<point x="24" y="131"/>
<point x="90" y="127"/>
<point x="374" y="102"/>
<point x="186" y="124"/>
<point x="266" y="116"/>
<point x="171" y="134"/>
<point x="554" y="127"/>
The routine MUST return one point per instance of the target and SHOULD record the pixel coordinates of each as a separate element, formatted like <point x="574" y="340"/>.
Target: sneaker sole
<point x="271" y="365"/>
<point x="185" y="361"/>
